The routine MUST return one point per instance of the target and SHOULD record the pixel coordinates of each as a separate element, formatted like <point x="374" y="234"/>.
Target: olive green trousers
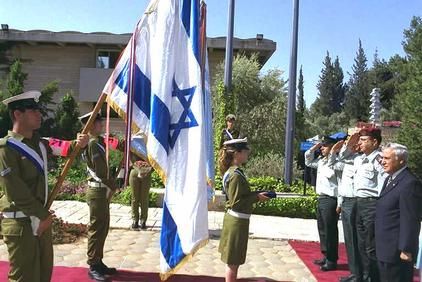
<point x="30" y="257"/>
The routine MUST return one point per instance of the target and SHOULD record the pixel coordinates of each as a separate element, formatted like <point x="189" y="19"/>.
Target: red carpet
<point x="79" y="274"/>
<point x="309" y="251"/>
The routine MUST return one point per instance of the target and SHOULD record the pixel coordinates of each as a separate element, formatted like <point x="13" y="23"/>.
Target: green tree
<point x="15" y="85"/>
<point x="301" y="106"/>
<point x="15" y="82"/>
<point x="393" y="86"/>
<point x="381" y="76"/>
<point x="300" y="109"/>
<point x="66" y="118"/>
<point x="326" y="125"/>
<point x="330" y="88"/>
<point x="46" y="101"/>
<point x="357" y="95"/>
<point x="258" y="100"/>
<point x="410" y="98"/>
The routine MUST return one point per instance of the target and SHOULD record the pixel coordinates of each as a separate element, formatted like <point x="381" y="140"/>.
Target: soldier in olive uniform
<point x="26" y="222"/>
<point x="140" y="183"/>
<point x="100" y="190"/>
<point x="230" y="132"/>
<point x="239" y="205"/>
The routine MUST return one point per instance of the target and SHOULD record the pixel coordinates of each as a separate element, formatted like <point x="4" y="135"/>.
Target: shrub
<point x="125" y="198"/>
<point x="156" y="180"/>
<point x="302" y="207"/>
<point x="268" y="183"/>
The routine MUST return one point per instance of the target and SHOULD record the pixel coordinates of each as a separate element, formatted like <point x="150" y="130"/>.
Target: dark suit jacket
<point x="398" y="215"/>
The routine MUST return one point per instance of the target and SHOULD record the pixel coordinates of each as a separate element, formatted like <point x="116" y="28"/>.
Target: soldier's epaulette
<point x="239" y="172"/>
<point x="3" y="142"/>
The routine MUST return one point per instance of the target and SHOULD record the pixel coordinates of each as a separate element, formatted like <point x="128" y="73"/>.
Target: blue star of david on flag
<point x="185" y="98"/>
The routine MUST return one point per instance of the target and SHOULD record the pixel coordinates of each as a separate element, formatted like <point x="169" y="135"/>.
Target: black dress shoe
<point x="320" y="261"/>
<point x="96" y="275"/>
<point x="107" y="270"/>
<point x="135" y="226"/>
<point x="328" y="266"/>
<point x="143" y="225"/>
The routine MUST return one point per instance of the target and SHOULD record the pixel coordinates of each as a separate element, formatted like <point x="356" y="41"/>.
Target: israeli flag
<point x="161" y="65"/>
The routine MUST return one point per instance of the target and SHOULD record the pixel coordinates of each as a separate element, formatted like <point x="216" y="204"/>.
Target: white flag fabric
<point x="161" y="63"/>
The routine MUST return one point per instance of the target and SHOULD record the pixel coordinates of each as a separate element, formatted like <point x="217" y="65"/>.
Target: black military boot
<point x="143" y="225"/>
<point x="135" y="226"/>
<point x="95" y="273"/>
<point x="107" y="270"/>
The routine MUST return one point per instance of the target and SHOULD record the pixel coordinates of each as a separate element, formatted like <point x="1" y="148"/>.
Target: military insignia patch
<point x="5" y="171"/>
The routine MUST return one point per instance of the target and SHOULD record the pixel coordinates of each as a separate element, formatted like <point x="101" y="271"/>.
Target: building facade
<point x="82" y="62"/>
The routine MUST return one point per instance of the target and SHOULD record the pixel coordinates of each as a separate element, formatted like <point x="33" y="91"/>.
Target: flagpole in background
<point x="291" y="104"/>
<point x="129" y="105"/>
<point x="229" y="48"/>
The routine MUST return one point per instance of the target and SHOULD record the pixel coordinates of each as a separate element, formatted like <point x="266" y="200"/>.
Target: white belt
<point x="17" y="214"/>
<point x="238" y="214"/>
<point x="96" y="184"/>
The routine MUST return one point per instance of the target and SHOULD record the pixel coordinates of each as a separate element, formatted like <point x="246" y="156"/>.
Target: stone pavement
<point x="269" y="254"/>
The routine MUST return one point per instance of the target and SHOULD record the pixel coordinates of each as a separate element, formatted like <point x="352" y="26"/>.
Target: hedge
<point x="301" y="207"/>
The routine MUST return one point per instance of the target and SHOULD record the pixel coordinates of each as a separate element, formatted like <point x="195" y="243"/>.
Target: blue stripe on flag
<point x="190" y="8"/>
<point x="160" y="122"/>
<point x="171" y="247"/>
<point x="142" y="88"/>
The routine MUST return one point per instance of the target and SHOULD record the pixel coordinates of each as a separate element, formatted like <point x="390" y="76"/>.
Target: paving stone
<point x="269" y="253"/>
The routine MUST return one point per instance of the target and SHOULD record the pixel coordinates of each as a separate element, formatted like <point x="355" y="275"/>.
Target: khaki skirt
<point x="234" y="240"/>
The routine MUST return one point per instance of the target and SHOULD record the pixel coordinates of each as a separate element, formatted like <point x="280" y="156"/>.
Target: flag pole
<point x="75" y="151"/>
<point x="203" y="41"/>
<point x="291" y="103"/>
<point x="229" y="48"/>
<point x="129" y="107"/>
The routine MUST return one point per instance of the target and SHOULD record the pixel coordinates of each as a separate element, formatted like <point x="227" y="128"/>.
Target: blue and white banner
<point x="161" y="64"/>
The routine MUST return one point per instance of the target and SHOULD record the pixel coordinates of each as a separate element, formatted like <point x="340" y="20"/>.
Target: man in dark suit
<point x="397" y="222"/>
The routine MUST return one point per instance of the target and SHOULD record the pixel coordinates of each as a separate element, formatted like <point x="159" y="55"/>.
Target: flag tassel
<point x="168" y="274"/>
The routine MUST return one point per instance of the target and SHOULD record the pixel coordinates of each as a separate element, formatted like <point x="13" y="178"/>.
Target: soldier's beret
<point x="373" y="132"/>
<point x="327" y="140"/>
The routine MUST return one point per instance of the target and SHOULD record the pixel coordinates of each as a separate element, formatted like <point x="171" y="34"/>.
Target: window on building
<point x="107" y="59"/>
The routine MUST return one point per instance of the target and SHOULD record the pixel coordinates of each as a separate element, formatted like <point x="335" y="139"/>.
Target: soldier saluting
<point x="26" y="221"/>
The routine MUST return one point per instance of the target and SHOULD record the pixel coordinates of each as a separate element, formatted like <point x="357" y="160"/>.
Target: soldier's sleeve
<point x="99" y="164"/>
<point x="237" y="195"/>
<point x="15" y="189"/>
<point x="335" y="163"/>
<point x="310" y="160"/>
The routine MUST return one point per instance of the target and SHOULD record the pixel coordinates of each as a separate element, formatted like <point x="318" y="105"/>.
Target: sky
<point x="324" y="25"/>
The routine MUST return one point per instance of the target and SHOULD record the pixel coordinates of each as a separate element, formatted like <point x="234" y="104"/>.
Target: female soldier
<point x="140" y="183"/>
<point x="234" y="236"/>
